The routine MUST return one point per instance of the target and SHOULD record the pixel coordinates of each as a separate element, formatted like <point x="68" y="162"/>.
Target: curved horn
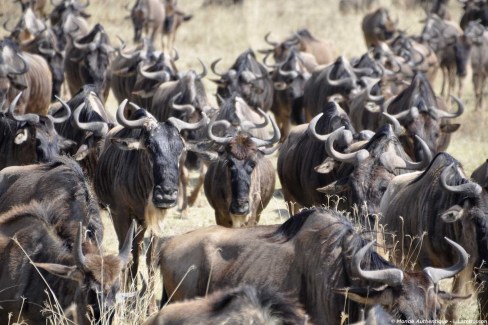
<point x="352" y="158"/>
<point x="220" y="140"/>
<point x="469" y="189"/>
<point x="46" y="51"/>
<point x="63" y="118"/>
<point x="124" y="252"/>
<point x="266" y="39"/>
<point x="437" y="274"/>
<point x="312" y="129"/>
<point x="30" y="118"/>
<point x="291" y="73"/>
<point x="24" y="68"/>
<point x="182" y="125"/>
<point x="99" y="129"/>
<point x="413" y="112"/>
<point x="338" y="82"/>
<point x="161" y="76"/>
<point x="5" y="26"/>
<point x="186" y="108"/>
<point x="78" y="250"/>
<point x="274" y="139"/>
<point x="370" y="84"/>
<point x="204" y="70"/>
<point x="444" y="114"/>
<point x="397" y="127"/>
<point x="422" y="57"/>
<point x="265" y="61"/>
<point x="392" y="277"/>
<point x="127" y="123"/>
<point x="247" y="125"/>
<point x="176" y="55"/>
<point x="213" y="65"/>
<point x="427" y="157"/>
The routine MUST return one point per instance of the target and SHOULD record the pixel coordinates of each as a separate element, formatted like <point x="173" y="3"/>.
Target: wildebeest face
<point x="47" y="140"/>
<point x="94" y="67"/>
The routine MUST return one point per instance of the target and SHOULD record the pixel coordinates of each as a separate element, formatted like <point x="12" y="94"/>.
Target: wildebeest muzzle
<point x="164" y="197"/>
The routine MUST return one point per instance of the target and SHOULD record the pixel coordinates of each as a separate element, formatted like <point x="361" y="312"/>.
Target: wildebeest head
<point x="247" y="77"/>
<point x="474" y="10"/>
<point x="27" y="27"/>
<point x="290" y="75"/>
<point x="93" y="55"/>
<point x="422" y="114"/>
<point x="342" y="79"/>
<point x="241" y="153"/>
<point x="12" y="69"/>
<point x="164" y="145"/>
<point x="98" y="276"/>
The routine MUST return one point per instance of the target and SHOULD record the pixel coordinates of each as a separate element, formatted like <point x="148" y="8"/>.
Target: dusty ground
<point x="226" y="32"/>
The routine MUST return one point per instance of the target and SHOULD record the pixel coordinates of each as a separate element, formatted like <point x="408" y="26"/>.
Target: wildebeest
<point x="173" y="20"/>
<point x="378" y="27"/>
<point x="87" y="127"/>
<point x="137" y="173"/>
<point x="324" y="51"/>
<point x="29" y="138"/>
<point x="87" y="61"/>
<point x="440" y="202"/>
<point x="148" y="16"/>
<point x="424" y="114"/>
<point x="242" y="305"/>
<point x="26" y="73"/>
<point x="476" y="45"/>
<point x="480" y="175"/>
<point x="306" y="165"/>
<point x="337" y="259"/>
<point x="36" y="5"/>
<point x="246" y="179"/>
<point x="40" y="265"/>
<point x="248" y="78"/>
<point x="62" y="184"/>
<point x="474" y="10"/>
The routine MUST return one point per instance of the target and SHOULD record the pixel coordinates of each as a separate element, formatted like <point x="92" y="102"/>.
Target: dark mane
<point x="291" y="226"/>
<point x="448" y="159"/>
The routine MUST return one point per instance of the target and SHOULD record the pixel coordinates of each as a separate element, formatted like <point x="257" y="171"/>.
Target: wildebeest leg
<point x="460" y="86"/>
<point x="459" y="284"/>
<point x="444" y="77"/>
<point x="198" y="187"/>
<point x="293" y="207"/>
<point x="452" y="81"/>
<point x="182" y="198"/>
<point x="478" y="89"/>
<point x="151" y="262"/>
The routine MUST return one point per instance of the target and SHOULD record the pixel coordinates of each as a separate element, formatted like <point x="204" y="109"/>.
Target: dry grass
<point x="225" y="32"/>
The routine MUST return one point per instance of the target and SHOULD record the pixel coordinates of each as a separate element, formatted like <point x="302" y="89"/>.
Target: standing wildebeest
<point x="246" y="179"/>
<point x="337" y="259"/>
<point x="87" y="62"/>
<point x="148" y="15"/>
<point x="137" y="172"/>
<point x="242" y="305"/>
<point x="423" y="114"/>
<point x="474" y="10"/>
<point x="62" y="183"/>
<point x="26" y="73"/>
<point x="39" y="264"/>
<point x="306" y="165"/>
<point x="87" y="127"/>
<point x="173" y="20"/>
<point x="289" y="79"/>
<point x="476" y="46"/>
<point x="29" y="138"/>
<point x="378" y="27"/>
<point x="249" y="79"/>
<point x="480" y="175"/>
<point x="443" y="37"/>
<point x="440" y="202"/>
<point x="324" y="51"/>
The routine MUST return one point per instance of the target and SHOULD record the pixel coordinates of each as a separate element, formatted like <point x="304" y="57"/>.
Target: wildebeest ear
<point x="451" y="298"/>
<point x="452" y="214"/>
<point x="364" y="296"/>
<point x="128" y="144"/>
<point x="326" y="166"/>
<point x="449" y="128"/>
<point x="18" y="83"/>
<point x="217" y="81"/>
<point x="21" y="136"/>
<point x="334" y="188"/>
<point x="63" y="271"/>
<point x="65" y="144"/>
<point x="81" y="153"/>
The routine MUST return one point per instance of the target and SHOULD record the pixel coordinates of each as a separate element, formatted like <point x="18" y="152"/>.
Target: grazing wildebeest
<point x="475" y="40"/>
<point x="173" y="20"/>
<point x="474" y="10"/>
<point x="337" y="78"/>
<point x="324" y="51"/>
<point x="87" y="62"/>
<point x="306" y="164"/>
<point x="443" y="36"/>
<point x="246" y="179"/>
<point x="27" y="73"/>
<point x="148" y="16"/>
<point x="62" y="183"/>
<point x="242" y="305"/>
<point x="29" y="138"/>
<point x="440" y="202"/>
<point x="480" y="175"/>
<point x="378" y="27"/>
<point x="289" y="79"/>
<point x="87" y="127"/>
<point x="137" y="172"/>
<point x="39" y="264"/>
<point x="337" y="260"/>
<point x="424" y="114"/>
<point x="248" y="78"/>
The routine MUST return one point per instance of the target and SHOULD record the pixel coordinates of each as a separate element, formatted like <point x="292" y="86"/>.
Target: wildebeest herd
<point x="380" y="213"/>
